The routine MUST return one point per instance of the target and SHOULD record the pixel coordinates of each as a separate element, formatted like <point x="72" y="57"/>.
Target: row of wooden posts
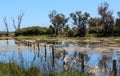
<point x="28" y="43"/>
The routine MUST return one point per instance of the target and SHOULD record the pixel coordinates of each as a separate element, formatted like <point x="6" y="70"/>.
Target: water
<point x="62" y="57"/>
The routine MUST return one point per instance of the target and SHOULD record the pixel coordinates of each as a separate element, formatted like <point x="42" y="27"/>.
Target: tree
<point x="95" y="25"/>
<point x="118" y="13"/>
<point x="118" y="20"/>
<point x="19" y="20"/>
<point x="14" y="24"/>
<point x="107" y="18"/>
<point x="50" y="30"/>
<point x="117" y="25"/>
<point x="66" y="30"/>
<point x="58" y="21"/>
<point x="6" y="25"/>
<point x="80" y="21"/>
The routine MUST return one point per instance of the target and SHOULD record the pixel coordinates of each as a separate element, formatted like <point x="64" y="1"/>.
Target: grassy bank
<point x="35" y="37"/>
<point x="10" y="69"/>
<point x="45" y="37"/>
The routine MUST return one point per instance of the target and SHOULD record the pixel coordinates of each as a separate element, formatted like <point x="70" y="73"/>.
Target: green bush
<point x="34" y="30"/>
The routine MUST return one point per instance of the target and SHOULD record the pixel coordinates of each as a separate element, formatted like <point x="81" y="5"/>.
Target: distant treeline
<point x="81" y="24"/>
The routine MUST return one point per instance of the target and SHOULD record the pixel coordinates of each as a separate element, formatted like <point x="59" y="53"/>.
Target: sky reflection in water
<point x="29" y="56"/>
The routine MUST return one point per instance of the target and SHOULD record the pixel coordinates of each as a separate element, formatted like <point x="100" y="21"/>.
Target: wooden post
<point x="34" y="46"/>
<point x="28" y="43"/>
<point x="82" y="58"/>
<point x="79" y="54"/>
<point x="38" y="52"/>
<point x="63" y="57"/>
<point x="114" y="68"/>
<point x="7" y="42"/>
<point x="53" y="56"/>
<point x="63" y="54"/>
<point x="45" y="52"/>
<point x="38" y="45"/>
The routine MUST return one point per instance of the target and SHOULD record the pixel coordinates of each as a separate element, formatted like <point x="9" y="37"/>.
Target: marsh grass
<point x="11" y="69"/>
<point x="72" y="74"/>
<point x="7" y="69"/>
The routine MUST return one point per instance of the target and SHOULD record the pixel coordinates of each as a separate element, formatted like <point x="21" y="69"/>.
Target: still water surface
<point x="62" y="57"/>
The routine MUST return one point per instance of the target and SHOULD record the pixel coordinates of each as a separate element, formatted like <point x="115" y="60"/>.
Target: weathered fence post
<point x="7" y="42"/>
<point x="82" y="59"/>
<point x="45" y="52"/>
<point x="53" y="55"/>
<point x="38" y="46"/>
<point x="114" y="67"/>
<point x="28" y="43"/>
<point x="63" y="54"/>
<point x="34" y="46"/>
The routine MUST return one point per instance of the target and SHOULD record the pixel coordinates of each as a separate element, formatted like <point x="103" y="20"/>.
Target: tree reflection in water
<point x="50" y="60"/>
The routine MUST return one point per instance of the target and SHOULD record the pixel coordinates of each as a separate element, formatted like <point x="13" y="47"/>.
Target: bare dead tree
<point x="19" y="20"/>
<point x="14" y="24"/>
<point x="6" y="25"/>
<point x="20" y="16"/>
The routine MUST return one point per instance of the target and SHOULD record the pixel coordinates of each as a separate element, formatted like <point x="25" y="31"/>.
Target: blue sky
<point x="36" y="11"/>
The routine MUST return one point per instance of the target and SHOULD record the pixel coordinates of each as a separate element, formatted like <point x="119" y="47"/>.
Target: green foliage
<point x="34" y="30"/>
<point x="90" y="35"/>
<point x="58" y="21"/>
<point x="107" y="19"/>
<point x="80" y="21"/>
<point x="70" y="33"/>
<point x="51" y="30"/>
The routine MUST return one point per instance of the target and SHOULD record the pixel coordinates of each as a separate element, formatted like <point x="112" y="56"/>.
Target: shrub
<point x="34" y="30"/>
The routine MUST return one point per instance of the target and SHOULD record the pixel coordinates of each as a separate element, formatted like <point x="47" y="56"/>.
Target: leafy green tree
<point x="51" y="30"/>
<point x="95" y="24"/>
<point x="118" y="20"/>
<point x="107" y="18"/>
<point x="80" y="21"/>
<point x="66" y="30"/>
<point x="118" y="13"/>
<point x="58" y="21"/>
<point x="117" y="25"/>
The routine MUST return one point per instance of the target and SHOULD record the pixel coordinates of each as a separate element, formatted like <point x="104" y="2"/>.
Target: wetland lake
<point x="99" y="57"/>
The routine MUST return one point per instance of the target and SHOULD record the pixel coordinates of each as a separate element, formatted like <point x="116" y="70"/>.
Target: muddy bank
<point x="103" y="45"/>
